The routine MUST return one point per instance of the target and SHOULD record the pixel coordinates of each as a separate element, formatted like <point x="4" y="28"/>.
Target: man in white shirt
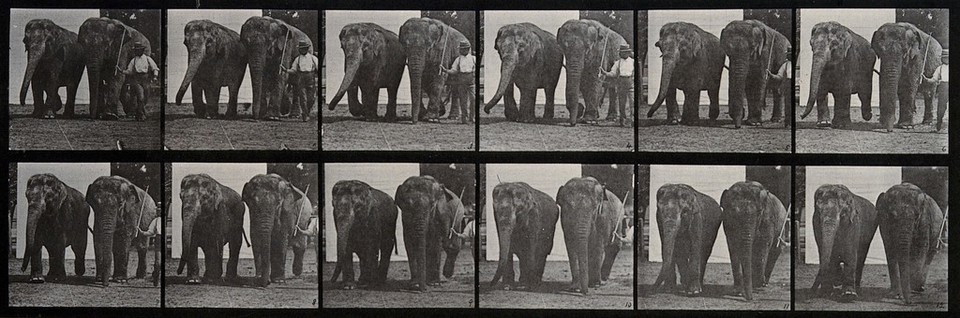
<point x="140" y="71"/>
<point x="622" y="74"/>
<point x="305" y="68"/>
<point x="940" y="79"/>
<point x="460" y="81"/>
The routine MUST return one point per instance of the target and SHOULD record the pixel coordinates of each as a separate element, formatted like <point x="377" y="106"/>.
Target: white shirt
<point x="944" y="71"/>
<point x="464" y="64"/>
<point x="623" y="67"/>
<point x="142" y="64"/>
<point x="305" y="63"/>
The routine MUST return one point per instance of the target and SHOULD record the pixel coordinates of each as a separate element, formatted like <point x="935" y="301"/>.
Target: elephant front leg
<point x="213" y="103"/>
<point x="39" y="106"/>
<point x="714" y="96"/>
<point x="278" y="258"/>
<point x="232" y="92"/>
<point x="510" y="109"/>
<point x="673" y="109"/>
<point x="841" y="109"/>
<point x="199" y="108"/>
<point x="69" y="110"/>
<point x="121" y="257"/>
<point x="691" y="107"/>
<point x="595" y="259"/>
<point x="57" y="267"/>
<point x="371" y="99"/>
<point x="549" y="93"/>
<point x="528" y="106"/>
<point x="298" y="261"/>
<point x="213" y="263"/>
<point x="433" y="263"/>
<point x="908" y="107"/>
<point x="391" y="114"/>
<point x="234" y="257"/>
<point x="53" y="102"/>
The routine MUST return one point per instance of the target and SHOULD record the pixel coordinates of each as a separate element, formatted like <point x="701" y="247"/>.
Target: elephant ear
<point x="882" y="203"/>
<point x="561" y="193"/>
<point x="132" y="205"/>
<point x="760" y="36"/>
<point x="724" y="198"/>
<point x="690" y="43"/>
<point x="279" y="31"/>
<point x="436" y="31"/>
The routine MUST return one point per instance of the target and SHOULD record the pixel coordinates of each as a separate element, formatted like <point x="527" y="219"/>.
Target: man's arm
<point x="153" y="66"/>
<point x="614" y="70"/>
<point x="130" y="69"/>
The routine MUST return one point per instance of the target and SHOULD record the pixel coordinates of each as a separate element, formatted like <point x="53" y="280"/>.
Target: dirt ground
<point x="617" y="292"/>
<point x="341" y="131"/>
<point x="875" y="285"/>
<point x="82" y="133"/>
<point x="869" y="137"/>
<point x="297" y="292"/>
<point x="499" y="134"/>
<point x="718" y="291"/>
<point x="82" y="291"/>
<point x="456" y="292"/>
<point x="184" y="131"/>
<point x="721" y="136"/>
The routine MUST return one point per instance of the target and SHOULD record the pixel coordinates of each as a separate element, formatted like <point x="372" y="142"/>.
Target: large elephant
<point x="906" y="54"/>
<point x="366" y="222"/>
<point x="54" y="60"/>
<point x="373" y="59"/>
<point x="108" y="44"/>
<point x="212" y="217"/>
<point x="270" y="44"/>
<point x="843" y="225"/>
<point x="120" y="211"/>
<point x="910" y="225"/>
<point x="276" y="211"/>
<point x="692" y="62"/>
<point x="428" y="44"/>
<point x="589" y="215"/>
<point x="688" y="222"/>
<point x="842" y="65"/>
<point x="755" y="50"/>
<point x="587" y="46"/>
<point x="530" y="59"/>
<point x="56" y="219"/>
<point x="216" y="59"/>
<point x="753" y="221"/>
<point x="429" y="213"/>
<point x="526" y="220"/>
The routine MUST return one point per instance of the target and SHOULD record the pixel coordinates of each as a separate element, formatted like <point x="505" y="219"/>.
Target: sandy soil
<point x="341" y="131"/>
<point x="719" y="136"/>
<point x="184" y="131"/>
<point x="82" y="291"/>
<point x="869" y="137"/>
<point x="617" y="292"/>
<point x="456" y="292"/>
<point x="82" y="133"/>
<point x="297" y="292"/>
<point x="718" y="291"/>
<point x="499" y="134"/>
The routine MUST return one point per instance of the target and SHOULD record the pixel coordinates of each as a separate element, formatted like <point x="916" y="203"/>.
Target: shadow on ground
<point x="710" y="136"/>
<point x="718" y="291"/>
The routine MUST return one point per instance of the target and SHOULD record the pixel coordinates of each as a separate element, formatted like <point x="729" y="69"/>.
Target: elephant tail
<point x="245" y="240"/>
<point x="336" y="273"/>
<point x="183" y="262"/>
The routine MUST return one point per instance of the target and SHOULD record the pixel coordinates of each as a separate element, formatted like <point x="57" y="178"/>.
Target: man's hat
<point x="464" y="45"/>
<point x="138" y="46"/>
<point x="625" y="48"/>
<point x="303" y="44"/>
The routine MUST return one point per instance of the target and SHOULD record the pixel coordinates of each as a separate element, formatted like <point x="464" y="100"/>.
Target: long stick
<point x="119" y="50"/>
<point x="299" y="213"/>
<point x="283" y="53"/>
<point x="443" y="54"/>
<point x="139" y="219"/>
<point x="923" y="67"/>
<point x="943" y="225"/>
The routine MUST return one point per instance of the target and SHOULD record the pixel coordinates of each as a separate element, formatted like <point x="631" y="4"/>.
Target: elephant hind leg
<point x="69" y="109"/>
<point x="232" y="92"/>
<point x="549" y="94"/>
<point x="386" y="251"/>
<point x="391" y="114"/>
<point x="234" y="256"/>
<point x="39" y="105"/>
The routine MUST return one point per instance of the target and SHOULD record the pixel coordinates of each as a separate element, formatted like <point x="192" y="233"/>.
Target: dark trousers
<point x="943" y="98"/>
<point x="620" y="97"/>
<point x="462" y="97"/>
<point x="138" y="83"/>
<point x="306" y="93"/>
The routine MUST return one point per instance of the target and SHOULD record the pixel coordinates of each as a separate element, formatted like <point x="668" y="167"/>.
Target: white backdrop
<point x="712" y="21"/>
<point x="861" y="21"/>
<point x="386" y="177"/>
<point x="335" y="21"/>
<point x="74" y="175"/>
<point x="69" y="19"/>
<point x="177" y="55"/>
<point x="549" y="21"/>
<point x="867" y="182"/>
<point x="709" y="180"/>
<point x="544" y="177"/>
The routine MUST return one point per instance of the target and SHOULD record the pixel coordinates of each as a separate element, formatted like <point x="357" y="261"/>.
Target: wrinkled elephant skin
<point x="212" y="217"/>
<point x="589" y="215"/>
<point x="429" y="212"/>
<point x="216" y="59"/>
<point x="753" y="221"/>
<point x="54" y="60"/>
<point x="56" y="219"/>
<point x="692" y="62"/>
<point x="373" y="59"/>
<point x="366" y="222"/>
<point x="121" y="210"/>
<point x="688" y="222"/>
<point x="530" y="59"/>
<point x="910" y="224"/>
<point x="526" y="220"/>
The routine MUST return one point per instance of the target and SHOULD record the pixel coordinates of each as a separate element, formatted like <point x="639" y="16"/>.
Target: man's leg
<point x="308" y="98"/>
<point x="140" y="93"/>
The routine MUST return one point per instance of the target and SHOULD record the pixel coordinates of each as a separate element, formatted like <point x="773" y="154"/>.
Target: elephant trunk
<point x="94" y="81"/>
<point x="903" y="259"/>
<point x="889" y="83"/>
<point x="260" y="233"/>
<point x="574" y="68"/>
<point x="350" y="69"/>
<point x="582" y="239"/>
<point x="103" y="230"/>
<point x="415" y="64"/>
<point x="193" y="65"/>
<point x="189" y="250"/>
<point x="33" y="243"/>
<point x="746" y="263"/>
<point x="344" y="256"/>
<point x="738" y="93"/>
<point x="504" y="235"/>
<point x="667" y="271"/>
<point x="33" y="59"/>
<point x="816" y="70"/>
<point x="506" y="82"/>
<point x="668" y="66"/>
<point x="825" y="274"/>
<point x="256" y="81"/>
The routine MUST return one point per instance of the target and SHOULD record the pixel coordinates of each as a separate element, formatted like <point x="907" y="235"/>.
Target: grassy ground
<point x="82" y="133"/>
<point x="718" y="291"/>
<point x="499" y="134"/>
<point x="456" y="292"/>
<point x="869" y="137"/>
<point x="875" y="285"/>
<point x="617" y="292"/>
<point x="82" y="291"/>
<point x="719" y="136"/>
<point x="297" y="292"/>
<point x="341" y="131"/>
<point x="184" y="131"/>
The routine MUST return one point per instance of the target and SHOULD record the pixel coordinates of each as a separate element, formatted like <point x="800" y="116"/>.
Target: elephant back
<point x="277" y="32"/>
<point x="115" y="32"/>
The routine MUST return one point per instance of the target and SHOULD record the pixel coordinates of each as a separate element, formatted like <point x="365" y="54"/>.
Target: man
<point x="460" y="81"/>
<point x="941" y="80"/>
<point x="622" y="74"/>
<point x="140" y="71"/>
<point x="305" y="68"/>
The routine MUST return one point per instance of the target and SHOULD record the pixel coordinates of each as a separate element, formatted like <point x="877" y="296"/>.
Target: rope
<point x="62" y="133"/>
<point x="384" y="136"/>
<point x="224" y="131"/>
<point x="923" y="67"/>
<point x="119" y="50"/>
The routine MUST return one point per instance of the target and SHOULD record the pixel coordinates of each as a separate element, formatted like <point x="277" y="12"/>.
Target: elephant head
<point x="910" y="221"/>
<point x="580" y="201"/>
<point x="747" y="208"/>
<point x="120" y="211"/>
<point x="107" y="44"/>
<point x="273" y="204"/>
<point x="430" y="212"/>
<point x="204" y="40"/>
<point x="362" y="44"/>
<point x="428" y="43"/>
<point x="49" y="203"/>
<point x="43" y="39"/>
<point x="753" y="49"/>
<point x="680" y="44"/>
<point x="270" y="43"/>
<point x="680" y="211"/>
<point x="905" y="54"/>
<point x="199" y="193"/>
<point x="519" y="47"/>
<point x="585" y="44"/>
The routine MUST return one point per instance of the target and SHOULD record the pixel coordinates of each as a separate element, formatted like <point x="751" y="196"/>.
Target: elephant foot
<point x="193" y="281"/>
<point x="436" y="283"/>
<point x="118" y="280"/>
<point x="690" y="122"/>
<point x="927" y="121"/>
<point x="48" y="115"/>
<point x="693" y="293"/>
<point x="522" y="287"/>
<point x="918" y="290"/>
<point x="824" y="124"/>
<point x="272" y="118"/>
<point x="596" y="284"/>
<point x="573" y="289"/>
<point x="848" y="296"/>
<point x="349" y="286"/>
<point x="755" y="123"/>
<point x="109" y="116"/>
<point x="673" y="122"/>
<point x="776" y="119"/>
<point x="279" y="281"/>
<point x="415" y="287"/>
<point x="840" y="124"/>
<point x="390" y="118"/>
<point x="893" y="294"/>
<point x="37" y="280"/>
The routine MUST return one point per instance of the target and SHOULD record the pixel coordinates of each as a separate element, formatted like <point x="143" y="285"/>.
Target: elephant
<point x="374" y="59"/>
<point x="589" y="215"/>
<point x="120" y="211"/>
<point x="587" y="46"/>
<point x="755" y="50"/>
<point x="428" y="44"/>
<point x="910" y="227"/>
<point x="906" y="53"/>
<point x="688" y="222"/>
<point x="276" y="212"/>
<point x="56" y="219"/>
<point x="216" y="59"/>
<point x="692" y="62"/>
<point x="843" y="225"/>
<point x="530" y="59"/>
<point x="753" y="220"/>
<point x="842" y="65"/>
<point x="366" y="222"/>
<point x="108" y="44"/>
<point x="54" y="60"/>
<point x="270" y="44"/>
<point x="526" y="220"/>
<point x="429" y="211"/>
<point x="212" y="216"/>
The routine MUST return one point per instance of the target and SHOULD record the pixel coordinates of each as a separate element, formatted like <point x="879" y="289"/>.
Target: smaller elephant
<point x="755" y="50"/>
<point x="910" y="226"/>
<point x="275" y="205"/>
<point x="366" y="222"/>
<point x="121" y="210"/>
<point x="688" y="222"/>
<point x="373" y="59"/>
<point x="54" y="60"/>
<point x="842" y="65"/>
<point x="753" y="221"/>
<point x="429" y="213"/>
<point x="216" y="58"/>
<point x="56" y="219"/>
<point x="692" y="62"/>
<point x="526" y="220"/>
<point x="212" y="217"/>
<point x="530" y="59"/>
<point x="907" y="54"/>
<point x="589" y="215"/>
<point x="843" y="225"/>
